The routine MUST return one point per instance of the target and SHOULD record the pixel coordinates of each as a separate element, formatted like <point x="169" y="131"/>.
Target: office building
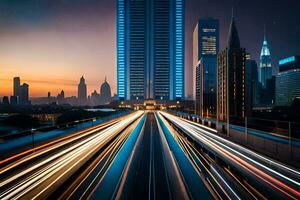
<point x="289" y="63"/>
<point x="95" y="98"/>
<point x="252" y="82"/>
<point x="265" y="67"/>
<point x="105" y="92"/>
<point x="24" y="94"/>
<point x="82" y="92"/>
<point x="17" y="83"/>
<point x="288" y="81"/>
<point x="61" y="98"/>
<point x="5" y="100"/>
<point x="150" y="49"/>
<point x="231" y="92"/>
<point x="13" y="100"/>
<point x="205" y="51"/>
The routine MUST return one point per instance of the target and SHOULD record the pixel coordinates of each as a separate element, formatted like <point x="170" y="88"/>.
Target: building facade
<point x="265" y="66"/>
<point x="17" y="84"/>
<point x="231" y="93"/>
<point x="288" y="81"/>
<point x="82" y="92"/>
<point x="205" y="51"/>
<point x="150" y="49"/>
<point x="24" y="94"/>
<point x="251" y="84"/>
<point x="105" y="92"/>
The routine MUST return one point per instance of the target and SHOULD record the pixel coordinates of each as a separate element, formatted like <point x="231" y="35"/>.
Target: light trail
<point x="236" y="155"/>
<point x="48" y="173"/>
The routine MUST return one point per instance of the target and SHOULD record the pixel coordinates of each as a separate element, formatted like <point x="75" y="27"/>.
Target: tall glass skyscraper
<point x="205" y="50"/>
<point x="150" y="49"/>
<point x="265" y="71"/>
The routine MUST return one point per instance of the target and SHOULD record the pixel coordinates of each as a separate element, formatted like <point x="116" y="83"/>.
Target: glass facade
<point x="287" y="87"/>
<point x="288" y="81"/>
<point x="206" y="48"/>
<point x="121" y="62"/>
<point x="150" y="49"/>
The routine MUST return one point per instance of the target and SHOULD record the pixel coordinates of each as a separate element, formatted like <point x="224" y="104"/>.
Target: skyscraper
<point x="231" y="94"/>
<point x="251" y="74"/>
<point x="82" y="92"/>
<point x="252" y="83"/>
<point x="24" y="94"/>
<point x="265" y="67"/>
<point x="150" y="49"/>
<point x="17" y="83"/>
<point x="205" y="50"/>
<point x="105" y="92"/>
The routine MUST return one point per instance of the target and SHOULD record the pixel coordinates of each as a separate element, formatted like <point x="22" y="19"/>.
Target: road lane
<point x="273" y="177"/>
<point x="39" y="180"/>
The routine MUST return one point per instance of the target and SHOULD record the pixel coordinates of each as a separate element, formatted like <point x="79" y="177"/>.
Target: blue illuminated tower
<point x="150" y="49"/>
<point x="265" y="70"/>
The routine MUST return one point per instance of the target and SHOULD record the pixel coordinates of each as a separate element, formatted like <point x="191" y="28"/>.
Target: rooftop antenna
<point x="264" y="31"/>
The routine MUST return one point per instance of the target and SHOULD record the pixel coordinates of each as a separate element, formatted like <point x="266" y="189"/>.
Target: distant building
<point x="5" y="100"/>
<point x="251" y="84"/>
<point x="13" y="100"/>
<point x="95" y="98"/>
<point x="105" y="92"/>
<point x="288" y="81"/>
<point x="61" y="98"/>
<point x="82" y="92"/>
<point x="150" y="49"/>
<point x="24" y="94"/>
<point x="265" y="67"/>
<point x="17" y="84"/>
<point x="205" y="51"/>
<point x="231" y="94"/>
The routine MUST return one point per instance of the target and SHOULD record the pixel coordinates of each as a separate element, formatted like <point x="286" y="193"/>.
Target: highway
<point x="36" y="176"/>
<point x="145" y="155"/>
<point x="239" y="172"/>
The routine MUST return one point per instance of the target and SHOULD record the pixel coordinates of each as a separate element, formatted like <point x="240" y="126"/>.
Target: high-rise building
<point x="5" y="100"/>
<point x="287" y="81"/>
<point x="17" y="83"/>
<point x="251" y="84"/>
<point x="95" y="98"/>
<point x="205" y="51"/>
<point x="231" y="94"/>
<point x="150" y="49"/>
<point x="61" y="98"/>
<point x="24" y="94"/>
<point x="105" y="92"/>
<point x="265" y="67"/>
<point x="82" y="92"/>
<point x="13" y="100"/>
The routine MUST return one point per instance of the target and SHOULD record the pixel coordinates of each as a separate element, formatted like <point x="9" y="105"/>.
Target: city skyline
<point x="25" y="52"/>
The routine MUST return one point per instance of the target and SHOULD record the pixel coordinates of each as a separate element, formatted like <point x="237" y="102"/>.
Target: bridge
<point x="139" y="155"/>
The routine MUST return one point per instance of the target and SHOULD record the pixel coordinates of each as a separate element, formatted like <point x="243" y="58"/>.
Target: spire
<point x="265" y="32"/>
<point x="105" y="79"/>
<point x="265" y="50"/>
<point x="233" y="37"/>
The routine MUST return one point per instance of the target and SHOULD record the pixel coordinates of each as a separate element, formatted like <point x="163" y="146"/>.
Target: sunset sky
<point x="50" y="44"/>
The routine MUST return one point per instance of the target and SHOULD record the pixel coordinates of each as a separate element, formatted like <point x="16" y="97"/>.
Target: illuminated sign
<point x="287" y="60"/>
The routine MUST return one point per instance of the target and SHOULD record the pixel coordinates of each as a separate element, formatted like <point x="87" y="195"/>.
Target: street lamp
<point x="32" y="135"/>
<point x="93" y="121"/>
